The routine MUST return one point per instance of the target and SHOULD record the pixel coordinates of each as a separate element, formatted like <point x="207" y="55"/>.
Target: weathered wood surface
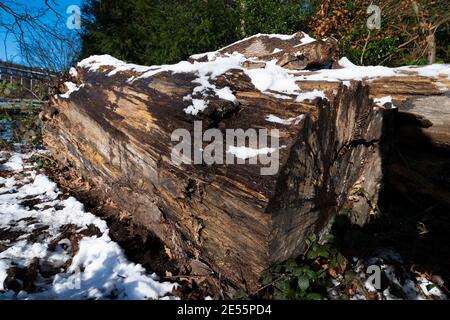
<point x="419" y="167"/>
<point x="115" y="131"/>
<point x="424" y="107"/>
<point x="431" y="116"/>
<point x="295" y="52"/>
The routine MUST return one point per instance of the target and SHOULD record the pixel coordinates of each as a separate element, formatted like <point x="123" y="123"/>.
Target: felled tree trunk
<point x="114" y="127"/>
<point x="419" y="168"/>
<point x="424" y="107"/>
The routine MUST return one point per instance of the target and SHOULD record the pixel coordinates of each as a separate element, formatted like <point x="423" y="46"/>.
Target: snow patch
<point x="93" y="63"/>
<point x="14" y="163"/>
<point x="351" y="71"/>
<point x="99" y="270"/>
<point x="72" y="87"/>
<point x="307" y="39"/>
<point x="434" y="70"/>
<point x="246" y="152"/>
<point x="289" y="121"/>
<point x="311" y="95"/>
<point x="196" y="106"/>
<point x="226" y="94"/>
<point x="273" y="77"/>
<point x="382" y="101"/>
<point x="73" y="72"/>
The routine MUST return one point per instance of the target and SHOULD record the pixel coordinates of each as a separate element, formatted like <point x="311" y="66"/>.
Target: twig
<point x="269" y="284"/>
<point x="399" y="47"/>
<point x="364" y="48"/>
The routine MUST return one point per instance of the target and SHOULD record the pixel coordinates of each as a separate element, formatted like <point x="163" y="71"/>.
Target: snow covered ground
<point x="51" y="248"/>
<point x="395" y="281"/>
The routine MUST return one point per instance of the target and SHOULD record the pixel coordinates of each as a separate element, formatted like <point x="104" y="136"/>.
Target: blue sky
<point x="8" y="48"/>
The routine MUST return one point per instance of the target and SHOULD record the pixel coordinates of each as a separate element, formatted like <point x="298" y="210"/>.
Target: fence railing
<point x="29" y="79"/>
<point x="21" y="105"/>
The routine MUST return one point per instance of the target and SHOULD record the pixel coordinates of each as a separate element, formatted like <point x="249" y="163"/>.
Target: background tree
<point x="275" y="16"/>
<point x="166" y="31"/>
<point x="40" y="33"/>
<point x="157" y="31"/>
<point x="412" y="31"/>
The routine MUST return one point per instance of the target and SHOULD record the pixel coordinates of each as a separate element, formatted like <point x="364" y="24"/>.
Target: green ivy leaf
<point x="314" y="296"/>
<point x="278" y="295"/>
<point x="322" y="252"/>
<point x="344" y="212"/>
<point x="291" y="265"/>
<point x="311" y="255"/>
<point x="283" y="286"/>
<point x="310" y="274"/>
<point x="303" y="282"/>
<point x="266" y="278"/>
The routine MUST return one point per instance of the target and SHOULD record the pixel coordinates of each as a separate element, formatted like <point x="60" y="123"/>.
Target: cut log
<point x="114" y="125"/>
<point x="424" y="107"/>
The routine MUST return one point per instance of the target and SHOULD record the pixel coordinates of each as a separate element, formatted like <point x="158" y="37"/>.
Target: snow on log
<point x="115" y="124"/>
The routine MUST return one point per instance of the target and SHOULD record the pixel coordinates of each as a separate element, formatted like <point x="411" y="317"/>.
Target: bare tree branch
<point x="41" y="43"/>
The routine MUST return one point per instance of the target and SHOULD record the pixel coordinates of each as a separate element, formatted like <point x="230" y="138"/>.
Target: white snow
<point x="212" y="68"/>
<point x="346" y="63"/>
<point x="382" y="101"/>
<point x="99" y="270"/>
<point x="14" y="163"/>
<point x="196" y="106"/>
<point x="280" y="36"/>
<point x="280" y="96"/>
<point x="226" y="94"/>
<point x="289" y="121"/>
<point x="434" y="70"/>
<point x="72" y="87"/>
<point x="351" y="71"/>
<point x="272" y="77"/>
<point x="306" y="39"/>
<point x="205" y="89"/>
<point x="246" y="152"/>
<point x="311" y="95"/>
<point x="93" y="63"/>
<point x="73" y="72"/>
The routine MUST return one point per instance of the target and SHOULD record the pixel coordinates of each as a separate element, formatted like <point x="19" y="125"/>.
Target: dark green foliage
<point x="21" y="126"/>
<point x="275" y="16"/>
<point x="402" y="39"/>
<point x="155" y="32"/>
<point x="9" y="90"/>
<point x="304" y="278"/>
<point x="166" y="31"/>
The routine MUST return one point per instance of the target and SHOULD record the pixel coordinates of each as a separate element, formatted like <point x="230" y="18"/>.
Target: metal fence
<point x="30" y="79"/>
<point x="21" y="104"/>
